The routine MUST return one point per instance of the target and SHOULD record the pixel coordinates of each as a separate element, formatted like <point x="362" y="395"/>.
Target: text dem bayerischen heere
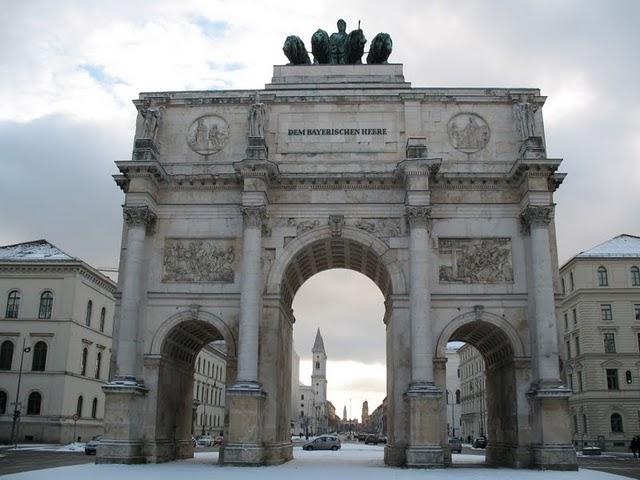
<point x="337" y="131"/>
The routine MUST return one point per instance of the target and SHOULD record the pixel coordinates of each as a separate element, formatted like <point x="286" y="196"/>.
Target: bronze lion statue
<point x="295" y="51"/>
<point x="320" y="47"/>
<point x="380" y="49"/>
<point x="355" y="49"/>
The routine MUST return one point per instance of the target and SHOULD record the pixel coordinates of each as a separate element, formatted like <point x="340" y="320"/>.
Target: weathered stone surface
<point x="475" y="260"/>
<point x="198" y="260"/>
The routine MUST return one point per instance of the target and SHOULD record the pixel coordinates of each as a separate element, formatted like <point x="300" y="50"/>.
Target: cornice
<point x="139" y="169"/>
<point x="62" y="266"/>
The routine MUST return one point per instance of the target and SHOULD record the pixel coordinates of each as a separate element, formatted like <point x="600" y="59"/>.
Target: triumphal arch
<point x="442" y="196"/>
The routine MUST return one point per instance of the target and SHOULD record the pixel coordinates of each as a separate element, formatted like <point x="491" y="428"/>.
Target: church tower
<point x="319" y="382"/>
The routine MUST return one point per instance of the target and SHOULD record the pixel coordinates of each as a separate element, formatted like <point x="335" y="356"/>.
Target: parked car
<point x="204" y="441"/>
<point x="92" y="445"/>
<point x="480" y="442"/>
<point x="455" y="444"/>
<point x="373" y="439"/>
<point x="323" y="442"/>
<point x="361" y="437"/>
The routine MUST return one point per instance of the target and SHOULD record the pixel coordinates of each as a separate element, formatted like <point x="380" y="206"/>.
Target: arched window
<point x="98" y="364"/>
<point x="616" y="423"/>
<point x="39" y="357"/>
<point x="457" y="396"/>
<point x="13" y="304"/>
<point x="46" y="305"/>
<point x="103" y="314"/>
<point x="87" y="320"/>
<point x="79" y="406"/>
<point x="83" y="361"/>
<point x="94" y="408"/>
<point x="6" y="355"/>
<point x="3" y="402"/>
<point x="635" y="276"/>
<point x="34" y="403"/>
<point x="603" y="279"/>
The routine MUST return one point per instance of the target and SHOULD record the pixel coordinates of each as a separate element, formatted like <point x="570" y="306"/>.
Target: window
<point x="87" y="320"/>
<point x="616" y="423"/>
<point x="317" y="365"/>
<point x="98" y="364"/>
<point x="302" y="397"/>
<point x="636" y="309"/>
<point x="607" y="313"/>
<point x="457" y="396"/>
<point x="575" y="423"/>
<point x="103" y="314"/>
<point x="584" y="424"/>
<point x="3" y="402"/>
<point x="568" y="349"/>
<point x="6" y="355"/>
<point x="13" y="304"/>
<point x="563" y="287"/>
<point x="576" y="341"/>
<point x="79" y="406"/>
<point x="612" y="379"/>
<point x="566" y="321"/>
<point x="34" y="403"/>
<point x="39" y="360"/>
<point x="574" y="314"/>
<point x="571" y="382"/>
<point x="603" y="279"/>
<point x="635" y="276"/>
<point x="609" y="343"/>
<point x="46" y="305"/>
<point x="94" y="408"/>
<point x="580" y="385"/>
<point x="83" y="361"/>
<point x="571" y="282"/>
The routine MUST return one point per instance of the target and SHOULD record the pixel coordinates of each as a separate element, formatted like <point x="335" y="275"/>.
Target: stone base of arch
<point x="245" y="439"/>
<point x="424" y="411"/>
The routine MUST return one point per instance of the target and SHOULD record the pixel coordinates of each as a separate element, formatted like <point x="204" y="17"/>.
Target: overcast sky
<point x="69" y="70"/>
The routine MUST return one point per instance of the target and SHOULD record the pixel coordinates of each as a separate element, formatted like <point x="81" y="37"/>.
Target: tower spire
<point x="318" y="345"/>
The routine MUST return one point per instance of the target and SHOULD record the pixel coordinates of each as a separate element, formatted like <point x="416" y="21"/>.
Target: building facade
<point x="56" y="319"/>
<point x="444" y="197"/>
<point x="453" y="393"/>
<point x="209" y="386"/>
<point x="473" y="391"/>
<point x="599" y="329"/>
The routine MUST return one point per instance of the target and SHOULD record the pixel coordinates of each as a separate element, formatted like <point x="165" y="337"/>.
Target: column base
<point x="506" y="455"/>
<point x="424" y="449"/>
<point x="244" y="454"/>
<point x="244" y="445"/>
<point x="276" y="454"/>
<point x="395" y="456"/>
<point x="554" y="457"/>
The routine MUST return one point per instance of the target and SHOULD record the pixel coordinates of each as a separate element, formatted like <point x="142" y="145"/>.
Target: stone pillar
<point x="423" y="397"/>
<point x="551" y="429"/>
<point x="246" y="397"/>
<point x="124" y="395"/>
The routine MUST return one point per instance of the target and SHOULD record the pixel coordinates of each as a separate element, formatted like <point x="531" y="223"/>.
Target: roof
<point x="33" y="251"/>
<point x="318" y="345"/>
<point x="618" y="247"/>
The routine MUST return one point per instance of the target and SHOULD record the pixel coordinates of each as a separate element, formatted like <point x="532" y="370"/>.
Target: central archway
<point x="315" y="251"/>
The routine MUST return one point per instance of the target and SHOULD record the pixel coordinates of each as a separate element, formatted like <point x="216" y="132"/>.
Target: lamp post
<point x="453" y="406"/>
<point x="16" y="410"/>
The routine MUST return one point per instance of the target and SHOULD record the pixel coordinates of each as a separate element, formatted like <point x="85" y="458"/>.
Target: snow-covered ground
<point x="355" y="462"/>
<point x="47" y="447"/>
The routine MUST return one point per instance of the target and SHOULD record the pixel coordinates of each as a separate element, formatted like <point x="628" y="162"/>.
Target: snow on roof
<point x="33" y="251"/>
<point x="621" y="246"/>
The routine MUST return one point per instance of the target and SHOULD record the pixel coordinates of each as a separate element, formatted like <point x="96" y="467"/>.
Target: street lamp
<point x="16" y="410"/>
<point x="453" y="406"/>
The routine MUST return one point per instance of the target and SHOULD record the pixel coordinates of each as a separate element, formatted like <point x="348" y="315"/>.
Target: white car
<point x="204" y="441"/>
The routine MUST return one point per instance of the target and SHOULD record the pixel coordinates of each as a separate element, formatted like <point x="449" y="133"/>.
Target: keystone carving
<point x="198" y="260"/>
<point x="535" y="215"/>
<point x="336" y="224"/>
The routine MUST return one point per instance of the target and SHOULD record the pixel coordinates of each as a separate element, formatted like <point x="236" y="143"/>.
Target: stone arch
<point x="319" y="250"/>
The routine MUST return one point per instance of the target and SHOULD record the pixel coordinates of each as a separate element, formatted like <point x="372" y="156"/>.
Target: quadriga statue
<point x="295" y="51"/>
<point x="355" y="47"/>
<point x="320" y="47"/>
<point x="380" y="49"/>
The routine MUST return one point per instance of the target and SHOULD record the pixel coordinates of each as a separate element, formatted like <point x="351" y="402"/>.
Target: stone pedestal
<point x="424" y="449"/>
<point x="244" y="445"/>
<point x="551" y="448"/>
<point x="123" y="420"/>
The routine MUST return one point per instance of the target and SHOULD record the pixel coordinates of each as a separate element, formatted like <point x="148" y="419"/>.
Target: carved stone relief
<point x="208" y="134"/>
<point x="381" y="227"/>
<point x="475" y="260"/>
<point x="468" y="132"/>
<point x="198" y="260"/>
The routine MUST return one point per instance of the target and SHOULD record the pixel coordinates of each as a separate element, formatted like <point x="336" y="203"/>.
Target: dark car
<point x="480" y="442"/>
<point x="361" y="437"/>
<point x="455" y="444"/>
<point x="92" y="445"/>
<point x="323" y="442"/>
<point x="373" y="439"/>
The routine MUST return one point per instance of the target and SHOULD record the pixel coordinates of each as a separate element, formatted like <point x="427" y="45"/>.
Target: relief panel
<point x="199" y="260"/>
<point x="475" y="260"/>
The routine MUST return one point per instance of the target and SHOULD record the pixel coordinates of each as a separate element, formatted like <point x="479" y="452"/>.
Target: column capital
<point x="139" y="215"/>
<point x="418" y="215"/>
<point x="254" y="215"/>
<point x="535" y="215"/>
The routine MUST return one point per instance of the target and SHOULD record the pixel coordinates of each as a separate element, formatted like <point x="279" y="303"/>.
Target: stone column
<point x="244" y="445"/>
<point x="138" y="219"/>
<point x="124" y="396"/>
<point x="423" y="397"/>
<point x="250" y="296"/>
<point x="551" y="430"/>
